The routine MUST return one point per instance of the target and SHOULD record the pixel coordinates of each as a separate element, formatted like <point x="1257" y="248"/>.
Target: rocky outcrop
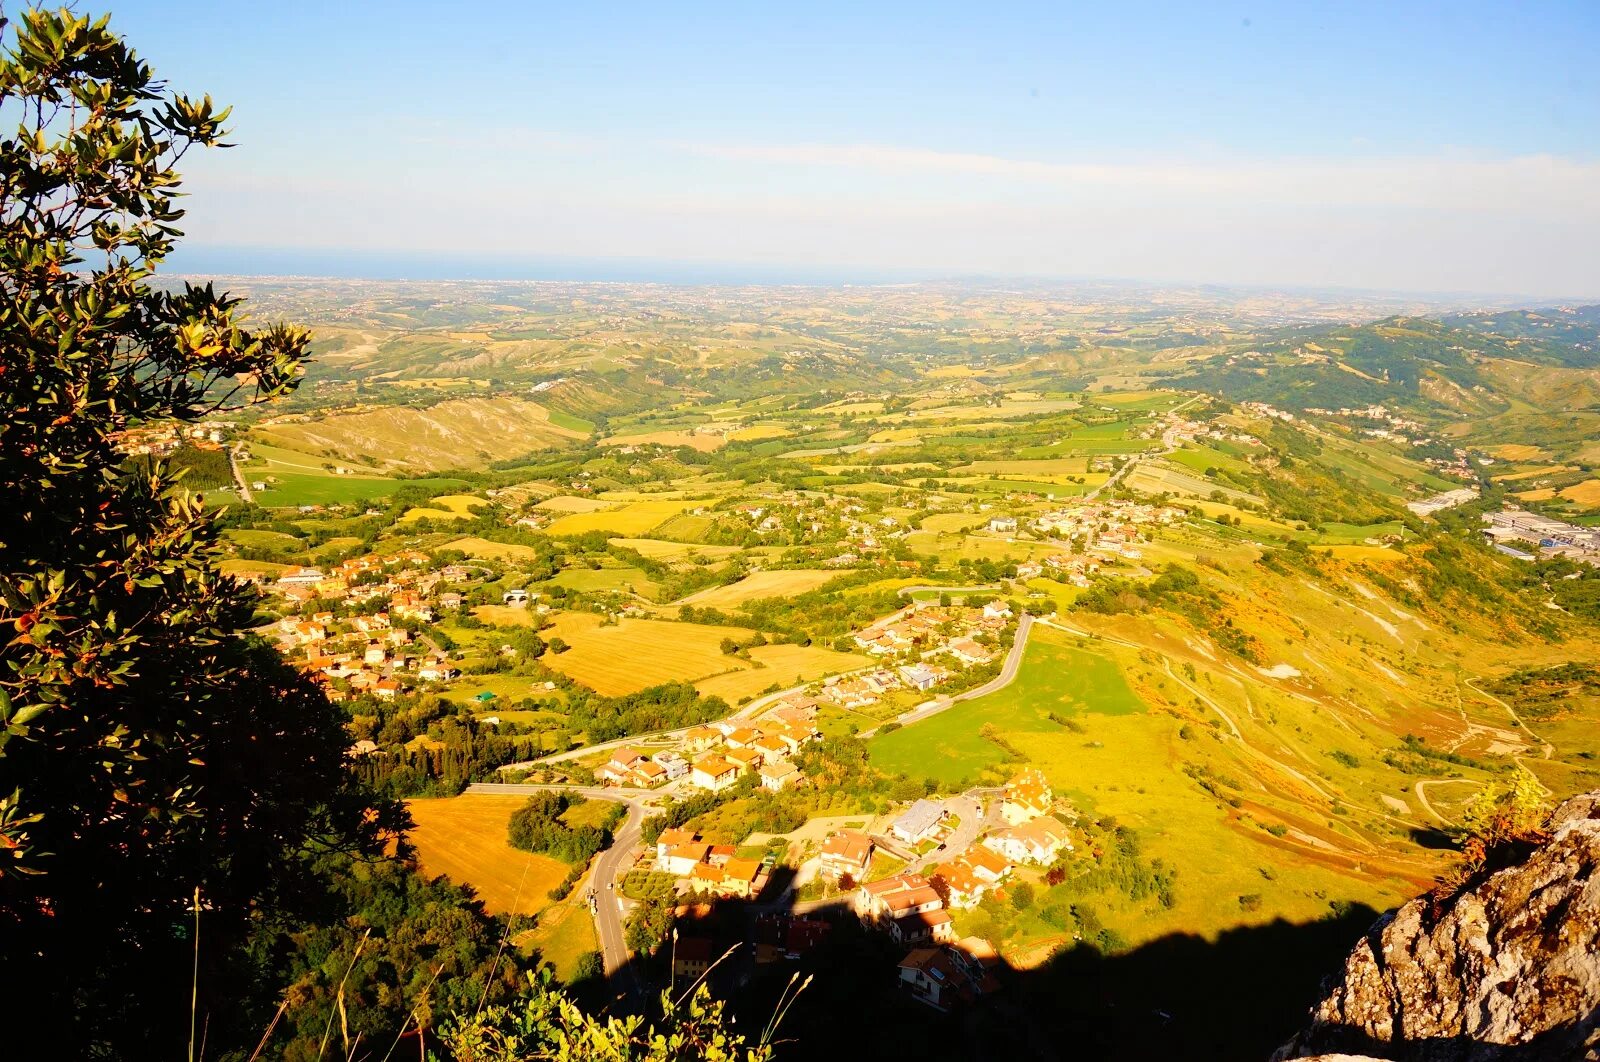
<point x="1507" y="970"/>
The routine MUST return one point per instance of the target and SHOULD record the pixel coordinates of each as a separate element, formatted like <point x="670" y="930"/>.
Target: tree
<point x="150" y="747"/>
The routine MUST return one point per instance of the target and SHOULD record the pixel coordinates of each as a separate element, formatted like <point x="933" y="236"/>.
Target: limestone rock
<point x="1507" y="970"/>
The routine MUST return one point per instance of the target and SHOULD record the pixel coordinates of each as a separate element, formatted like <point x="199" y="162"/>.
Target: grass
<point x="464" y="838"/>
<point x="571" y="423"/>
<point x="1055" y="677"/>
<point x="458" y="433"/>
<point x="563" y="934"/>
<point x="296" y="489"/>
<point x="592" y="580"/>
<point x="1122" y="759"/>
<point x="631" y="520"/>
<point x="759" y="585"/>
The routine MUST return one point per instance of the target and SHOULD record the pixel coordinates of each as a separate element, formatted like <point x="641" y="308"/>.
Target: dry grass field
<point x="1586" y="493"/>
<point x="460" y="433"/>
<point x="637" y="653"/>
<point x="758" y="585"/>
<point x="785" y="665"/>
<point x="694" y="440"/>
<point x="1516" y="452"/>
<point x="464" y="838"/>
<point x="760" y="431"/>
<point x="674" y="552"/>
<point x="445" y="507"/>
<point x="482" y="547"/>
<point x="566" y="503"/>
<point x="633" y="519"/>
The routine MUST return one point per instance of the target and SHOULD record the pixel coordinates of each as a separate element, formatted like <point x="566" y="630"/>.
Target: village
<point x="952" y="854"/>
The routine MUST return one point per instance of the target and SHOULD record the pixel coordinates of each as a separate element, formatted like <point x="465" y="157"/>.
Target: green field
<point x="1055" y="677"/>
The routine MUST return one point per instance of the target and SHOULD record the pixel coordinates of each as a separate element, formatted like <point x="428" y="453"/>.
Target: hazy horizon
<point x="1365" y="146"/>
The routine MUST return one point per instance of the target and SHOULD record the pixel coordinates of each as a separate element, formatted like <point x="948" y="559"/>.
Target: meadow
<point x="633" y="654"/>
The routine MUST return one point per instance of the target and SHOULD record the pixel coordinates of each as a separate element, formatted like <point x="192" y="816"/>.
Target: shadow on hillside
<point x="1180" y="997"/>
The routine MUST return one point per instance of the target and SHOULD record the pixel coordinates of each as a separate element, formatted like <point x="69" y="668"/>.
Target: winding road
<point x="1008" y="672"/>
<point x="607" y="868"/>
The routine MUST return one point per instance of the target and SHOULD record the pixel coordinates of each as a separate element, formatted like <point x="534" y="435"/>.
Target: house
<point x="880" y="902"/>
<point x="735" y="878"/>
<point x="944" y="977"/>
<point x="1026" y="797"/>
<point x="997" y="610"/>
<point x="673" y="836"/>
<point x="386" y="689"/>
<point x="713" y="773"/>
<point x="1029" y="570"/>
<point x="739" y="738"/>
<point x="779" y="775"/>
<point x="450" y="600"/>
<point x="680" y="860"/>
<point x="971" y="874"/>
<point x="647" y="774"/>
<point x="845" y="853"/>
<point x="438" y="672"/>
<point x="919" y="677"/>
<point x="691" y="957"/>
<point x="919" y="822"/>
<point x="968" y="651"/>
<point x="700" y="738"/>
<point x="744" y="759"/>
<point x="617" y="769"/>
<point x="1003" y="525"/>
<point x="675" y="765"/>
<point x="772" y="747"/>
<point x="1039" y="840"/>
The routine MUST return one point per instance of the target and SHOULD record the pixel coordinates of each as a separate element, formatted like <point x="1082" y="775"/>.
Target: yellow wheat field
<point x="635" y="654"/>
<point x="758" y="585"/>
<point x="464" y="838"/>
<point x="632" y="519"/>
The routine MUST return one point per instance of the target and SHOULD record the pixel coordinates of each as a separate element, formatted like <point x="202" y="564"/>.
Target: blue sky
<point x="1407" y="146"/>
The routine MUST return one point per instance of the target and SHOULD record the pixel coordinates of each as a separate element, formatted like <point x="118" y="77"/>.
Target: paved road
<point x="608" y="867"/>
<point x="238" y="477"/>
<point x="749" y="711"/>
<point x="1008" y="672"/>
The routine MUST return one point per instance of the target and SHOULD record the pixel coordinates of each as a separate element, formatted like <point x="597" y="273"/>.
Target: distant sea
<point x="386" y="265"/>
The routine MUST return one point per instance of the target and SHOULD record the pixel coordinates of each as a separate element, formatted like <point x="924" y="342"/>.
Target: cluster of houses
<point x="914" y="908"/>
<point x="161" y="440"/>
<point x="366" y="653"/>
<point x="722" y="753"/>
<point x="922" y="637"/>
<point x="708" y="869"/>
<point x="1109" y="528"/>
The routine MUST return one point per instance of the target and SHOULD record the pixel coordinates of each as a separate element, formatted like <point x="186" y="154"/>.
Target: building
<point x="919" y="822"/>
<point x="713" y="773"/>
<point x="943" y="977"/>
<point x="1039" y="840"/>
<point x="691" y="957"/>
<point x="1026" y="797"/>
<point x="779" y="775"/>
<point x="906" y="905"/>
<point x="619" y="767"/>
<point x="919" y="677"/>
<point x="675" y="765"/>
<point x="847" y="852"/>
<point x="968" y="651"/>
<point x="736" y="878"/>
